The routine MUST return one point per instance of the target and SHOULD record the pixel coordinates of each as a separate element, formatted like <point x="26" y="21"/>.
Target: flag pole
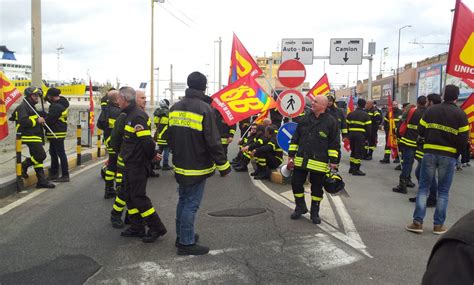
<point x="34" y="110"/>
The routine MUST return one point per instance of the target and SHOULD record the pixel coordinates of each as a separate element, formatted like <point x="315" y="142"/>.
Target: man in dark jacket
<point x="313" y="150"/>
<point x="359" y="125"/>
<point x="160" y="118"/>
<point x="376" y="119"/>
<point x="197" y="151"/>
<point x="443" y="137"/>
<point x="138" y="150"/>
<point x="339" y="115"/>
<point x="106" y="122"/>
<point x="30" y="125"/>
<point x="57" y="121"/>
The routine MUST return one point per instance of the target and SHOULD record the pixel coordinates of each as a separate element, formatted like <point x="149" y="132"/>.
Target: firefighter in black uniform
<point x="29" y="124"/>
<point x="137" y="151"/>
<point x="397" y="116"/>
<point x="376" y="118"/>
<point x="269" y="155"/>
<point x="192" y="120"/>
<point x="106" y="122"/>
<point x="339" y="115"/>
<point x="160" y="118"/>
<point x="226" y="132"/>
<point x="408" y="145"/>
<point x="57" y="121"/>
<point x="314" y="149"/>
<point x="359" y="127"/>
<point x="254" y="140"/>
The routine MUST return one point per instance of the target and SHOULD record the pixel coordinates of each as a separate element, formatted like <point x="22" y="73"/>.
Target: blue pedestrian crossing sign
<point x="284" y="135"/>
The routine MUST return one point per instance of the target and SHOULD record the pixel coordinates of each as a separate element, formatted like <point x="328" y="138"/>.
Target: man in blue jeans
<point x="197" y="151"/>
<point x="444" y="135"/>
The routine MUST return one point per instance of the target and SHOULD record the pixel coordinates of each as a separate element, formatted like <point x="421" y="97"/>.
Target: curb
<point x="9" y="186"/>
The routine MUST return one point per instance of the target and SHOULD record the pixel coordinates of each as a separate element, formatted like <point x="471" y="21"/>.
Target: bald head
<point x="140" y="98"/>
<point x="267" y="122"/>
<point x="319" y="104"/>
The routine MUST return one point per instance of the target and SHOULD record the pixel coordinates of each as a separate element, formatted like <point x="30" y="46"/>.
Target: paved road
<point x="63" y="235"/>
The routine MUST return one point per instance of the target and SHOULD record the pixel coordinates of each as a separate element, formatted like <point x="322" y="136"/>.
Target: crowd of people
<point x="424" y="133"/>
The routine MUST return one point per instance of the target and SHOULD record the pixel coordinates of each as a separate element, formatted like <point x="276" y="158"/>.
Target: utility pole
<point x="36" y="48"/>
<point x="171" y="85"/>
<point x="157" y="84"/>
<point x="220" y="63"/>
<point x="59" y="51"/>
<point x="152" y="63"/>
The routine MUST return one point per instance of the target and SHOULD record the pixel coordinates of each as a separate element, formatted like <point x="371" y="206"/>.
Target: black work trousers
<point x="37" y="155"/>
<point x="372" y="142"/>
<point x="57" y="152"/>
<point x="357" y="140"/>
<point x="297" y="184"/>
<point x="138" y="203"/>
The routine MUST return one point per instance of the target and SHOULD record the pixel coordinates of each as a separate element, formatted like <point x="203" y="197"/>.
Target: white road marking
<point x="25" y="199"/>
<point x="324" y="225"/>
<point x="349" y="227"/>
<point x="21" y="201"/>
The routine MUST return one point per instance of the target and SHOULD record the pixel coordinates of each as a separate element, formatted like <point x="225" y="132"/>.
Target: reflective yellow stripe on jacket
<point x="186" y="119"/>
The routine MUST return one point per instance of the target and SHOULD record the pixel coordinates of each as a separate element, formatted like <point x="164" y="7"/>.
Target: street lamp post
<point x="398" y="61"/>
<point x="152" y="63"/>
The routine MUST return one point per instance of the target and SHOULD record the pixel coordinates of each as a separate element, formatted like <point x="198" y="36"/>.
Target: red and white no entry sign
<point x="290" y="103"/>
<point x="291" y="73"/>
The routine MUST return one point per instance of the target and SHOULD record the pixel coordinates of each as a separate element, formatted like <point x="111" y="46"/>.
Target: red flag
<point x="392" y="138"/>
<point x="469" y="82"/>
<point x="468" y="108"/>
<point x="241" y="62"/>
<point x="350" y="106"/>
<point x="8" y="95"/>
<point x="91" y="108"/>
<point x="241" y="99"/>
<point x="461" y="48"/>
<point x="320" y="88"/>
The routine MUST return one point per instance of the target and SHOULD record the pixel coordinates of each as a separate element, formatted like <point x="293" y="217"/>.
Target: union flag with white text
<point x="241" y="99"/>
<point x="461" y="48"/>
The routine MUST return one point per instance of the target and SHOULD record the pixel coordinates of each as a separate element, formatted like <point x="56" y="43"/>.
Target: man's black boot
<point x="412" y="199"/>
<point x="300" y="208"/>
<point x="264" y="174"/>
<point x="192" y="249"/>
<point x="64" y="178"/>
<point x="315" y="212"/>
<point x="396" y="160"/>
<point x="42" y="181"/>
<point x="410" y="183"/>
<point x="357" y="171"/>
<point x="24" y="167"/>
<point x="52" y="176"/>
<point x="398" y="167"/>
<point x="109" y="190"/>
<point x="116" y="221"/>
<point x="401" y="187"/>
<point x="241" y="168"/>
<point x="386" y="159"/>
<point x="134" y="231"/>
<point x="196" y="239"/>
<point x="156" y="230"/>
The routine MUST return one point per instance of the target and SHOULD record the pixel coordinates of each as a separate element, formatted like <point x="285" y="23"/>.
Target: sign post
<point x="346" y="51"/>
<point x="299" y="49"/>
<point x="291" y="103"/>
<point x="291" y="73"/>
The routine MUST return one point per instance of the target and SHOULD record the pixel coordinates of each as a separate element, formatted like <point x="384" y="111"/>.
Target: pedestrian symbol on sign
<point x="291" y="103"/>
